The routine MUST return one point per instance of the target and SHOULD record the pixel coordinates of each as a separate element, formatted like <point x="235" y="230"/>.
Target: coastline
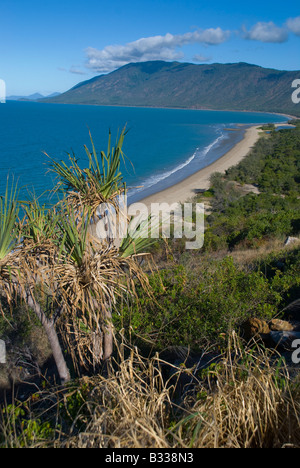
<point x="187" y="188"/>
<point x="289" y="116"/>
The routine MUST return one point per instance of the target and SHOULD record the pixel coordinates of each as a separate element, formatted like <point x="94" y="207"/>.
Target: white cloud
<point x="75" y="70"/>
<point x="266" y="32"/>
<point x="151" y="48"/>
<point x="294" y="25"/>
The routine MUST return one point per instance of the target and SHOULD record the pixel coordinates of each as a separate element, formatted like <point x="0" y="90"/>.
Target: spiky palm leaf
<point x="74" y="232"/>
<point x="9" y="237"/>
<point x="139" y="241"/>
<point x="90" y="276"/>
<point x="41" y="223"/>
<point x="24" y="265"/>
<point x="9" y="210"/>
<point x="100" y="182"/>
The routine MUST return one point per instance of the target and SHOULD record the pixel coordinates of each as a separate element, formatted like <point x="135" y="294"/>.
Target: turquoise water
<point x="163" y="145"/>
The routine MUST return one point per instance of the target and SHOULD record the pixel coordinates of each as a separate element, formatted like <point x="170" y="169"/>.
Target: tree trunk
<point x="49" y="328"/>
<point x="108" y="338"/>
<point x="97" y="344"/>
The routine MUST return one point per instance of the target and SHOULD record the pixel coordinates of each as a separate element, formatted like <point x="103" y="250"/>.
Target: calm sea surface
<point x="163" y="145"/>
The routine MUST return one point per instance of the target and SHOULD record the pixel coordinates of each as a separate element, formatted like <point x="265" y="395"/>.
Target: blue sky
<point x="48" y="46"/>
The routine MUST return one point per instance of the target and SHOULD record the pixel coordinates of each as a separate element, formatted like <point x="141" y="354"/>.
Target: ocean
<point x="162" y="146"/>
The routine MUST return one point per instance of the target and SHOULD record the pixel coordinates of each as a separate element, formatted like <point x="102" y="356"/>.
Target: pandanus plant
<point x="24" y="264"/>
<point x="97" y="184"/>
<point x="70" y="279"/>
<point x="91" y="276"/>
<point x="115" y="265"/>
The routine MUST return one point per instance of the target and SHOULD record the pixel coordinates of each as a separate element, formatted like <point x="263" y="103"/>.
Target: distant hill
<point x="32" y="97"/>
<point x="53" y="95"/>
<point x="236" y="86"/>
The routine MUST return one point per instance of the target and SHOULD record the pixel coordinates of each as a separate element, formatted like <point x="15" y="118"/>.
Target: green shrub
<point x="20" y="430"/>
<point x="192" y="310"/>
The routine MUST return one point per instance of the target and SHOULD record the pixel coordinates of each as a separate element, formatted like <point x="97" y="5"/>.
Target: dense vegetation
<point x="273" y="167"/>
<point x="205" y="295"/>
<point x="234" y="86"/>
<point x="193" y="303"/>
<point x="199" y="308"/>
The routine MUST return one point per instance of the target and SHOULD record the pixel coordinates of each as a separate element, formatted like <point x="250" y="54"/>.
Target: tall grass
<point x="243" y="401"/>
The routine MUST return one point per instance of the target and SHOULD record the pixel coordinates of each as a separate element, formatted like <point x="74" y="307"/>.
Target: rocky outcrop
<point x="277" y="333"/>
<point x="254" y="327"/>
<point x="292" y="240"/>
<point x="280" y="325"/>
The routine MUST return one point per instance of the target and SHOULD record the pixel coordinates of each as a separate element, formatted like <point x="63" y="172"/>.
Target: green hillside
<point x="237" y="86"/>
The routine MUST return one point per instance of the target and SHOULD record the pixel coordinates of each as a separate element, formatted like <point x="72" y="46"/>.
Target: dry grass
<point x="250" y="404"/>
<point x="245" y="257"/>
<point x="245" y="400"/>
<point x="130" y="409"/>
<point x="241" y="402"/>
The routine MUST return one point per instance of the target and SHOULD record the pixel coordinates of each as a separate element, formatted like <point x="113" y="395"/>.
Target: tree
<point x="21" y="269"/>
<point x="66" y="275"/>
<point x="87" y="191"/>
<point x="91" y="275"/>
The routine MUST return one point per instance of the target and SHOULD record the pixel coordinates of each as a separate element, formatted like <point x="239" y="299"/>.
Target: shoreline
<point x="187" y="188"/>
<point x="289" y="116"/>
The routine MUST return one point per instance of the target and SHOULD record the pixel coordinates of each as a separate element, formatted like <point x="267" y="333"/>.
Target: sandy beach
<point x="186" y="189"/>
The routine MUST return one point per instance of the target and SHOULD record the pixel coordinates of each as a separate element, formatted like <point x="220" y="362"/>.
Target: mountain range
<point x="31" y="97"/>
<point x="233" y="86"/>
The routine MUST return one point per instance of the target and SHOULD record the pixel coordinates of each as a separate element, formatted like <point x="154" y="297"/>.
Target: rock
<point x="280" y="325"/>
<point x="253" y="327"/>
<point x="291" y="240"/>
<point x="292" y="311"/>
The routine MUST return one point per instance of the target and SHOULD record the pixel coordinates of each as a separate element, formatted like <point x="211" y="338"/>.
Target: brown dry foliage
<point x="244" y="402"/>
